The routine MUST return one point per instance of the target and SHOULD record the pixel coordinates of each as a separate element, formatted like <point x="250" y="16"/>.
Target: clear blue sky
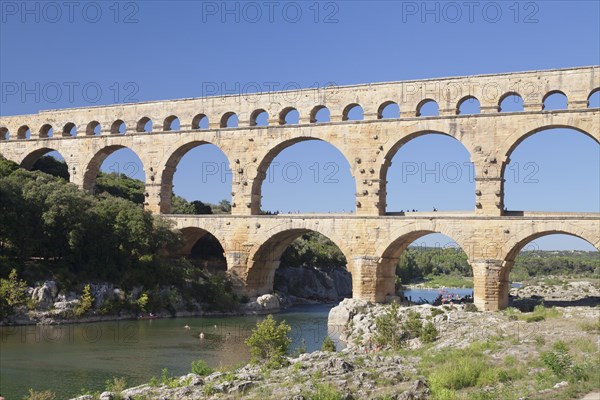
<point x="173" y="49"/>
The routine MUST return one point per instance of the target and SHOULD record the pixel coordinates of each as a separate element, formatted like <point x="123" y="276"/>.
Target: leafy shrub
<point x="456" y="374"/>
<point x="534" y="318"/>
<point x="200" y="367"/>
<point x="388" y="332"/>
<point x="165" y="379"/>
<point x="325" y="392"/>
<point x="436" y="311"/>
<point x="328" y="344"/>
<point x="45" y="395"/>
<point x="560" y="362"/>
<point x="592" y="327"/>
<point x="429" y="333"/>
<point x="470" y="307"/>
<point x="86" y="301"/>
<point x="142" y="302"/>
<point x="12" y="293"/>
<point x="116" y="385"/>
<point x="269" y="342"/>
<point x="413" y="326"/>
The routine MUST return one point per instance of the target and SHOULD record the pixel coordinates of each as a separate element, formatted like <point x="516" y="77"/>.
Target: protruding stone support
<point x="489" y="195"/>
<point x="154" y="201"/>
<point x="241" y="199"/>
<point x="490" y="279"/>
<point x="368" y="196"/>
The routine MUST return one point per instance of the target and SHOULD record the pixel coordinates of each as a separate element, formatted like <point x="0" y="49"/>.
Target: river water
<point x="68" y="358"/>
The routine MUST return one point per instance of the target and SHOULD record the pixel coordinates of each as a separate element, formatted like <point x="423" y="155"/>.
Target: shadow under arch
<point x="30" y="159"/>
<point x="267" y="159"/>
<point x="92" y="165"/>
<point x="391" y="153"/>
<point x="265" y="258"/>
<point x="211" y="251"/>
<point x="170" y="167"/>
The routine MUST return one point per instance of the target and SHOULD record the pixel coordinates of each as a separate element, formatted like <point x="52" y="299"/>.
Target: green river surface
<point x="68" y="358"/>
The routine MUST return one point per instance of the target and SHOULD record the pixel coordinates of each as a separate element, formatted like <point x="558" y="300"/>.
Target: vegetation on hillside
<point x="50" y="229"/>
<point x="450" y="267"/>
<point x="313" y="250"/>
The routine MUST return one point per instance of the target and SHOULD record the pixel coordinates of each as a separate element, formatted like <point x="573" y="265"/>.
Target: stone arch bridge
<point x="371" y="238"/>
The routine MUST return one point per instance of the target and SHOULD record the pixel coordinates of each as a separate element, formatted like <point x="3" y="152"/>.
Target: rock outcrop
<point x="267" y="303"/>
<point x="44" y="295"/>
<point x="352" y="375"/>
<point x="324" y="285"/>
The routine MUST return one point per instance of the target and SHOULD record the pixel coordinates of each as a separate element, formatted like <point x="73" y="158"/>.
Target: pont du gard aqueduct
<point x="371" y="238"/>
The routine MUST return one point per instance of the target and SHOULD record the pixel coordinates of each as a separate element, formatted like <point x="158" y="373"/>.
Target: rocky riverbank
<point x="474" y="355"/>
<point x="47" y="303"/>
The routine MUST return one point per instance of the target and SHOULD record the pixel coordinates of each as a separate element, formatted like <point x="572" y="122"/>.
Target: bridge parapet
<point x="490" y="90"/>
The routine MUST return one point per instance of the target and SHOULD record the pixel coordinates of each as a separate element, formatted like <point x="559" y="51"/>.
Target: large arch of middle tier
<point x="160" y="189"/>
<point x="254" y="170"/>
<point x="93" y="158"/>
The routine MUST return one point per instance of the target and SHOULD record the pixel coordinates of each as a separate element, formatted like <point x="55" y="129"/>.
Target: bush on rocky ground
<point x="269" y="342"/>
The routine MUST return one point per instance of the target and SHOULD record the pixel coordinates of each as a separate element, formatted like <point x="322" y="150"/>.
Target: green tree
<point x="52" y="166"/>
<point x="202" y="208"/>
<point x="388" y="330"/>
<point x="429" y="333"/>
<point x="142" y="301"/>
<point x="120" y="185"/>
<point x="12" y="293"/>
<point x="313" y="250"/>
<point x="200" y="367"/>
<point x="86" y="302"/>
<point x="269" y="342"/>
<point x="224" y="207"/>
<point x="407" y="269"/>
<point x="7" y="167"/>
<point x="179" y="205"/>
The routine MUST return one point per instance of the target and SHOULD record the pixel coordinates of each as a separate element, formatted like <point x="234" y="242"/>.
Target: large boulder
<point x="263" y="304"/>
<point x="102" y="292"/>
<point x="44" y="295"/>
<point x="268" y="302"/>
<point x="343" y="313"/>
